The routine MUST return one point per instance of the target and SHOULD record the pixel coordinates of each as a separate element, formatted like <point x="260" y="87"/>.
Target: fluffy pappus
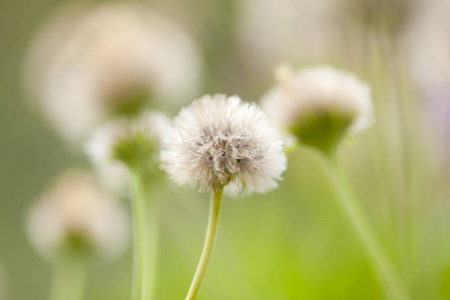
<point x="221" y="141"/>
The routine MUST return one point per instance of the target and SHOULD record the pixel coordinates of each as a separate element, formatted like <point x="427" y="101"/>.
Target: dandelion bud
<point x="219" y="141"/>
<point x="123" y="144"/>
<point x="76" y="214"/>
<point x="319" y="106"/>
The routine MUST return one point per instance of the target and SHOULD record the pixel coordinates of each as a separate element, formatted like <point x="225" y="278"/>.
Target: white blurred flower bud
<point x="219" y="141"/>
<point x="271" y="31"/>
<point x="75" y="213"/>
<point x="121" y="144"/>
<point x="91" y="62"/>
<point x="319" y="105"/>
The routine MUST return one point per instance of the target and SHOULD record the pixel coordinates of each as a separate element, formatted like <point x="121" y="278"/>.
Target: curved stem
<point x="208" y="246"/>
<point x="145" y="240"/>
<point x="360" y="223"/>
<point x="69" y="277"/>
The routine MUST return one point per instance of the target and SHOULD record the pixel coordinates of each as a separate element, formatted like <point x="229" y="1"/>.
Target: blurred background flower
<point x="75" y="213"/>
<point x="287" y="244"/>
<point x="93" y="61"/>
<point x="428" y="44"/>
<point x="122" y="144"/>
<point x="74" y="221"/>
<point x="319" y="105"/>
<point x="288" y="30"/>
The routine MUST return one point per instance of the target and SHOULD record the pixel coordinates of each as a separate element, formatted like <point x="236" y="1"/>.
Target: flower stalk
<point x="379" y="259"/>
<point x="145" y="242"/>
<point x="208" y="246"/>
<point x="69" y="276"/>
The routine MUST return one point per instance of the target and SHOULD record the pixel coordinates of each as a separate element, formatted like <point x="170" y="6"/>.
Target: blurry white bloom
<point x="114" y="142"/>
<point x="271" y="31"/>
<point x="91" y="62"/>
<point x="428" y="43"/>
<point x="319" y="103"/>
<point x="220" y="141"/>
<point x="76" y="212"/>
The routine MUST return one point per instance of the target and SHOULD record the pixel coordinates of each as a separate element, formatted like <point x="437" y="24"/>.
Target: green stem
<point x="145" y="242"/>
<point x="208" y="246"/>
<point x="360" y="223"/>
<point x="69" y="277"/>
<point x="152" y="252"/>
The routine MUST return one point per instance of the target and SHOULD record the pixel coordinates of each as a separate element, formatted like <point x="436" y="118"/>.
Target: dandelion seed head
<point x="221" y="141"/>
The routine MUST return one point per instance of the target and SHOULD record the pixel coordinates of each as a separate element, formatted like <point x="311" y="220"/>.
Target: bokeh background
<point x="291" y="243"/>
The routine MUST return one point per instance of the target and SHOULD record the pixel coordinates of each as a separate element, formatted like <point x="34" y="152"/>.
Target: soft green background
<point x="292" y="243"/>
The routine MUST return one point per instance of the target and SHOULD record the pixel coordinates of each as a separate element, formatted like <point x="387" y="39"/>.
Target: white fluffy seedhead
<point x="121" y="142"/>
<point x="321" y="101"/>
<point x="219" y="141"/>
<point x="75" y="213"/>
